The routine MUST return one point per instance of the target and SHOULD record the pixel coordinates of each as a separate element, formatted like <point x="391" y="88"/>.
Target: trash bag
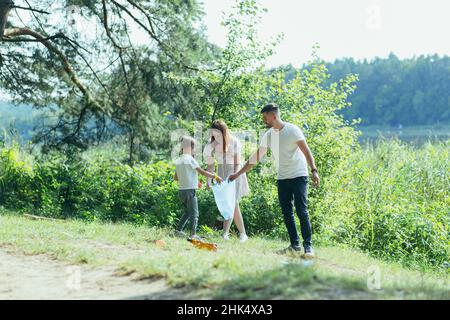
<point x="225" y="196"/>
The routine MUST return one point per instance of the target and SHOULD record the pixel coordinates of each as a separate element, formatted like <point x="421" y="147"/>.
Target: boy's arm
<point x="209" y="174"/>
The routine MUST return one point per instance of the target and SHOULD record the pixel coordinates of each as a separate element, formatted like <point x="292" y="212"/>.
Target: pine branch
<point x="30" y="9"/>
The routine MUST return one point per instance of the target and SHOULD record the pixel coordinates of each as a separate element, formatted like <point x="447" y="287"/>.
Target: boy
<point x="186" y="175"/>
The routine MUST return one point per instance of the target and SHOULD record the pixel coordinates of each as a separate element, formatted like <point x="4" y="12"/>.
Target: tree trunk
<point x="5" y="6"/>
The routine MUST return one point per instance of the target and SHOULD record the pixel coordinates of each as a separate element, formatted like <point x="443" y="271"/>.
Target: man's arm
<point x="252" y="161"/>
<point x="310" y="159"/>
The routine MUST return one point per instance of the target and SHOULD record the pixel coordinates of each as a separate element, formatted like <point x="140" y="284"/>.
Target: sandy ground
<point x="39" y="277"/>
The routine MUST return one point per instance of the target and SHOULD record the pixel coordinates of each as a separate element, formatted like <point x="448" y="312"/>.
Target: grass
<point x="236" y="271"/>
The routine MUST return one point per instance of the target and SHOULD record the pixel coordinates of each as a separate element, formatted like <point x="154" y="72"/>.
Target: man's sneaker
<point x="180" y="234"/>
<point x="309" y="253"/>
<point x="243" y="237"/>
<point x="225" y="236"/>
<point x="290" y="250"/>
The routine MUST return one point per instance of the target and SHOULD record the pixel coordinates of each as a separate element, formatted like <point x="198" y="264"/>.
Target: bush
<point x="391" y="200"/>
<point x="103" y="189"/>
<point x="16" y="176"/>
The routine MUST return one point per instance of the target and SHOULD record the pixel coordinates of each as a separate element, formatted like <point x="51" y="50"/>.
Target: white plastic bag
<point x="225" y="196"/>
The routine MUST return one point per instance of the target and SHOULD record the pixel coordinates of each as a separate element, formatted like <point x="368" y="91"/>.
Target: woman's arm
<point x="208" y="155"/>
<point x="237" y="161"/>
<point x="237" y="155"/>
<point x="209" y="168"/>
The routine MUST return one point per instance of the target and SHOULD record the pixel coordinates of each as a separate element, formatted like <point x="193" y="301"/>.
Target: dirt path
<point x="38" y="277"/>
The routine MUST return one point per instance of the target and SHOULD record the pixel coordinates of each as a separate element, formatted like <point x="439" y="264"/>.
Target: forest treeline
<point x="392" y="91"/>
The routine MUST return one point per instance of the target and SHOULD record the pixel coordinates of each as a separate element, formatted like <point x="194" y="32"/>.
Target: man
<point x="292" y="154"/>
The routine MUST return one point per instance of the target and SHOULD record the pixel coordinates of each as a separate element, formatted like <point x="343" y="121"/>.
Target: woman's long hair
<point x="223" y="128"/>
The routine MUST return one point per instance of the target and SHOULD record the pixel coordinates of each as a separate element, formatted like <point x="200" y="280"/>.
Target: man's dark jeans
<point x="295" y="189"/>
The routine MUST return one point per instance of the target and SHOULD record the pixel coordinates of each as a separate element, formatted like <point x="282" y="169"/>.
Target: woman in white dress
<point x="226" y="150"/>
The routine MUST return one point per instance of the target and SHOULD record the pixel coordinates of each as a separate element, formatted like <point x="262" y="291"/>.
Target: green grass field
<point x="236" y="271"/>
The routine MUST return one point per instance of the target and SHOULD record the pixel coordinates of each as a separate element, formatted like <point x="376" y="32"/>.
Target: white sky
<point x="345" y="28"/>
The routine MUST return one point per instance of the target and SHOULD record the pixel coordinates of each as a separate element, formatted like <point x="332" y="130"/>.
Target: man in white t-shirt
<point x="292" y="155"/>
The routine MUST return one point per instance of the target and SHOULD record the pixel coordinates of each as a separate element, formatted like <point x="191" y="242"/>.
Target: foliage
<point x="229" y="89"/>
<point x="391" y="200"/>
<point x="388" y="200"/>
<point x="103" y="83"/>
<point x="101" y="188"/>
<point x="395" y="92"/>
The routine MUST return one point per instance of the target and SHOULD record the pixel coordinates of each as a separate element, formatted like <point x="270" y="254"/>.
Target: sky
<point x="345" y="28"/>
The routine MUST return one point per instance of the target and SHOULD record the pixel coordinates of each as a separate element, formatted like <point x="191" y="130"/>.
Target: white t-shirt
<point x="186" y="167"/>
<point x="289" y="159"/>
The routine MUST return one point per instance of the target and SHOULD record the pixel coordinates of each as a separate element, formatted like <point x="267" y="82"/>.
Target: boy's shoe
<point x="195" y="237"/>
<point x="309" y="253"/>
<point x="225" y="236"/>
<point x="243" y="237"/>
<point x="180" y="234"/>
<point x="290" y="250"/>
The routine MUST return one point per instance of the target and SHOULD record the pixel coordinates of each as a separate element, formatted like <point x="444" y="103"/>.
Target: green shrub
<point x="16" y="175"/>
<point x="391" y="200"/>
<point x="99" y="188"/>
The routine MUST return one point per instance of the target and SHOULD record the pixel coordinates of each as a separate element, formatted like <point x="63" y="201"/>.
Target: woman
<point x="226" y="150"/>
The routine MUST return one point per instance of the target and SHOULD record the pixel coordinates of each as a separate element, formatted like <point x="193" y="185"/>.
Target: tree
<point x="231" y="88"/>
<point x="52" y="62"/>
<point x="393" y="91"/>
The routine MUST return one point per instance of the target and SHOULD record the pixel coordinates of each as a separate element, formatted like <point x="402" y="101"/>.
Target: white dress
<point x="226" y="165"/>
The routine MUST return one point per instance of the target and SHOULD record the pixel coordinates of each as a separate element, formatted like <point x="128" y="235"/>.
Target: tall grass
<point x="392" y="200"/>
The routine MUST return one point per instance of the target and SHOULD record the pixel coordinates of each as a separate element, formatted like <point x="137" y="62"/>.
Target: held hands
<point x="209" y="181"/>
<point x="218" y="179"/>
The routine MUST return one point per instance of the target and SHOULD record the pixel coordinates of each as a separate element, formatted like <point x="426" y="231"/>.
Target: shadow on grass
<point x="296" y="281"/>
<point x="291" y="282"/>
